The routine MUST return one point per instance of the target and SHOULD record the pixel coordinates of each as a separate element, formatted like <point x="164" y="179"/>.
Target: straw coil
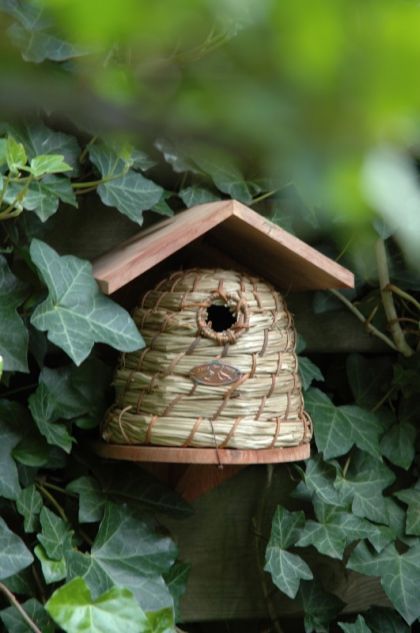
<point x="219" y="368"/>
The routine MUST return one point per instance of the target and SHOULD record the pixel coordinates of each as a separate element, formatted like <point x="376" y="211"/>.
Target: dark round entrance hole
<point x="220" y="317"/>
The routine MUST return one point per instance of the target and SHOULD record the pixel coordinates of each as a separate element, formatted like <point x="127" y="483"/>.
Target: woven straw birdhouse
<point x="218" y="379"/>
<point x="219" y="370"/>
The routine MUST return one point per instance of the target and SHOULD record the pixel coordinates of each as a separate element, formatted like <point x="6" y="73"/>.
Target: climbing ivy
<point x="81" y="547"/>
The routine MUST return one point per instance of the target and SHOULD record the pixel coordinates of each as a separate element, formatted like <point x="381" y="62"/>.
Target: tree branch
<point x="388" y="301"/>
<point x="15" y="603"/>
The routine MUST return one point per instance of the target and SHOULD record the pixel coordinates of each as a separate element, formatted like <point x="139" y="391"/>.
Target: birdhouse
<point x="218" y="379"/>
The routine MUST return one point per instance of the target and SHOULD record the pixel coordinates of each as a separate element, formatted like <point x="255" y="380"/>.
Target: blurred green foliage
<point x="303" y="92"/>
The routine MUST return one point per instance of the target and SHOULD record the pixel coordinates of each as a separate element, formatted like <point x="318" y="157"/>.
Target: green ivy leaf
<point x="286" y="569"/>
<point x="176" y="581"/>
<point x="14" y="622"/>
<point x="128" y="552"/>
<point x="369" y="379"/>
<point x="333" y="530"/>
<point x="38" y="139"/>
<point x="43" y="196"/>
<point x="226" y="176"/>
<point x="76" y="314"/>
<point x="399" y="573"/>
<point x="56" y="535"/>
<point x="127" y="190"/>
<point x="320" y="478"/>
<point x="14" y="555"/>
<point x="362" y="487"/>
<point x="128" y="483"/>
<point x="15" y="155"/>
<point x="381" y="620"/>
<point x="411" y="496"/>
<point x="91" y="499"/>
<point x="359" y="626"/>
<point x="75" y="610"/>
<point x="52" y="570"/>
<point x="191" y="196"/>
<point x="319" y="607"/>
<point x="308" y="372"/>
<point x="29" y="505"/>
<point x="45" y="415"/>
<point x="10" y="435"/>
<point x="13" y="334"/>
<point x="398" y="444"/>
<point x="338" y="429"/>
<point x="176" y="157"/>
<point x="48" y="164"/>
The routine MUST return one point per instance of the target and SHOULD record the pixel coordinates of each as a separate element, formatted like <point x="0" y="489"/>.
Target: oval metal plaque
<point x="215" y="374"/>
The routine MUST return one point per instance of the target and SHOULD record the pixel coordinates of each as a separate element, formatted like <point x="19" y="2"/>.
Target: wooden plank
<point x="201" y="455"/>
<point x="252" y="239"/>
<point x="197" y="479"/>
<point x="148" y="248"/>
<point x="272" y="251"/>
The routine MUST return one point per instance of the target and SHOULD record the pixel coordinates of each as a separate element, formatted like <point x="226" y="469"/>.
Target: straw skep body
<point x="219" y="368"/>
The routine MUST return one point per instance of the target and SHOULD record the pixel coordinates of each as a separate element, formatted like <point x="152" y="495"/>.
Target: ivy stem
<point x="100" y="181"/>
<point x="63" y="491"/>
<point x="265" y="195"/>
<point x="383" y="399"/>
<point x="388" y="301"/>
<point x="15" y="603"/>
<point x="404" y="295"/>
<point x="86" y="149"/>
<point x="53" y="501"/>
<point x="370" y="328"/>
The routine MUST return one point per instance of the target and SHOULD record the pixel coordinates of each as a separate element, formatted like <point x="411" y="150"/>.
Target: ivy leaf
<point x="337" y="429"/>
<point x="128" y="483"/>
<point x="362" y="487"/>
<point x="127" y="190"/>
<point x="9" y="438"/>
<point x="398" y="444"/>
<point x="369" y="378"/>
<point x="319" y="607"/>
<point x="286" y="569"/>
<point x="411" y="497"/>
<point x="128" y="552"/>
<point x="56" y="535"/>
<point x="91" y="499"/>
<point x="173" y="155"/>
<point x="39" y="139"/>
<point x="399" y="573"/>
<point x="14" y="622"/>
<point x="333" y="530"/>
<point x="45" y="416"/>
<point x="38" y="45"/>
<point x="43" y="196"/>
<point x="75" y="610"/>
<point x="191" y="196"/>
<point x="29" y="505"/>
<point x="308" y="372"/>
<point x="48" y="164"/>
<point x="15" y="155"/>
<point x="176" y="581"/>
<point x="359" y="626"/>
<point x="13" y="334"/>
<point x="52" y="570"/>
<point x="76" y="314"/>
<point x="224" y="174"/>
<point x="14" y="555"/>
<point x="320" y="478"/>
<point x="381" y="620"/>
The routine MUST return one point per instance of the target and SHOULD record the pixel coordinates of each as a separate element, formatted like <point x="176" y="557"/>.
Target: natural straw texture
<point x="165" y="394"/>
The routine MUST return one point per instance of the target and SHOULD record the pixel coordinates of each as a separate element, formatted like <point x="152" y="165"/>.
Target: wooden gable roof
<point x="253" y="241"/>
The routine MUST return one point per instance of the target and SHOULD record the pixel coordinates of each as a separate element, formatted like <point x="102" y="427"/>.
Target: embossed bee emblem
<point x="215" y="374"/>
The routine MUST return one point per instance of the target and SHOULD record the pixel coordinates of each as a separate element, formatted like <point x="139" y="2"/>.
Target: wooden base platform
<point x="178" y="455"/>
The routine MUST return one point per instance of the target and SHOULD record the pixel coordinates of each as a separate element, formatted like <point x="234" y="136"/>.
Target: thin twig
<point x="15" y="603"/>
<point x="388" y="301"/>
<point x="53" y="501"/>
<point x="370" y="328"/>
<point x="404" y="295"/>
